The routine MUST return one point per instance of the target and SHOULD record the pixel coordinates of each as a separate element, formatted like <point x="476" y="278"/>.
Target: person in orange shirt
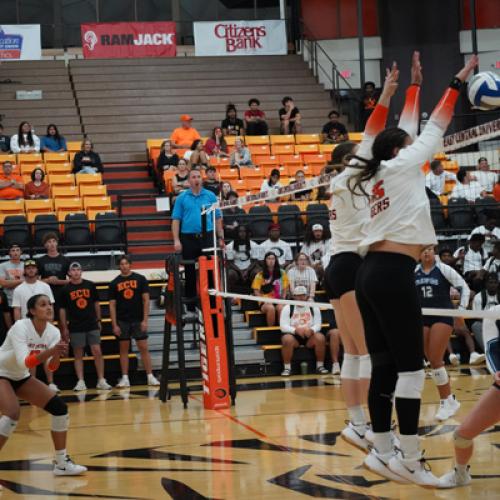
<point x="496" y="191"/>
<point x="183" y="136"/>
<point x="11" y="185"/>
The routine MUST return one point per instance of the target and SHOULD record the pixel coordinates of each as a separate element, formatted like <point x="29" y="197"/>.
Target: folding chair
<point x="62" y="157"/>
<point x="93" y="190"/>
<point x="282" y="139"/>
<point x="252" y="140"/>
<point x="306" y="149"/>
<point x="88" y="179"/>
<point x="307" y="139"/>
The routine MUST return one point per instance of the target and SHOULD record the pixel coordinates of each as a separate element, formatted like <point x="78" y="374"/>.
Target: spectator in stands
<point x="5" y="317"/>
<point x="53" y="268"/>
<point x="302" y="274"/>
<point x="255" y="119"/>
<point x="485" y="300"/>
<point x="490" y="231"/>
<point x="180" y="181"/>
<point x="305" y="195"/>
<point x="80" y="324"/>
<point x="242" y="255"/>
<point x="496" y="190"/>
<point x="11" y="185"/>
<point x="301" y="326"/>
<point x="369" y="100"/>
<point x="196" y="156"/>
<point x="87" y="161"/>
<point x="474" y="257"/>
<point x="492" y="264"/>
<point x="25" y="141"/>
<point x="184" y="136"/>
<point x="461" y="331"/>
<point x="232" y="217"/>
<point x="280" y="248"/>
<point x="334" y="131"/>
<point x="435" y="180"/>
<point x="212" y="183"/>
<point x="12" y="271"/>
<point x="317" y="244"/>
<point x="272" y="183"/>
<point x="232" y="125"/>
<point x="483" y="175"/>
<point x="241" y="155"/>
<point x="28" y="288"/>
<point x="37" y="188"/>
<point x="216" y="145"/>
<point x="446" y="256"/>
<point x="167" y="158"/>
<point x="271" y="282"/>
<point x="334" y="341"/>
<point x="53" y="141"/>
<point x="466" y="187"/>
<point x="323" y="193"/>
<point x="4" y="141"/>
<point x="129" y="311"/>
<point x="289" y="117"/>
<point x="226" y="190"/>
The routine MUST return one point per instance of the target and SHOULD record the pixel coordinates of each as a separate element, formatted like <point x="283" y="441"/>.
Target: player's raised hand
<point x="416" y="69"/>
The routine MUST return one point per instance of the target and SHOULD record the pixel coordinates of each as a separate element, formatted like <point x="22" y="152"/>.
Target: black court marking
<point x="180" y="491"/>
<point x="292" y="481"/>
<point x="258" y="444"/>
<point x="327" y="438"/>
<point x="355" y="480"/>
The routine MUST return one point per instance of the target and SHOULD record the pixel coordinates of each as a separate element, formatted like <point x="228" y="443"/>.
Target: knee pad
<point x="350" y="367"/>
<point x="59" y="411"/>
<point x="410" y="384"/>
<point x="440" y="376"/>
<point x="7" y="426"/>
<point x="365" y="366"/>
<point x="383" y="381"/>
<point x="461" y="442"/>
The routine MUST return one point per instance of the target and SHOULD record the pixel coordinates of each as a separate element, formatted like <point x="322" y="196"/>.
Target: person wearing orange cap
<point x="183" y="136"/>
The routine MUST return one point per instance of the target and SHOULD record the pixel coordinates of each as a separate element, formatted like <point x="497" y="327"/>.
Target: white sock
<point x="125" y="376"/>
<point x="319" y="364"/>
<point x="61" y="457"/>
<point x="461" y="470"/>
<point x="357" y="416"/>
<point x="382" y="442"/>
<point x="288" y="366"/>
<point x="410" y="446"/>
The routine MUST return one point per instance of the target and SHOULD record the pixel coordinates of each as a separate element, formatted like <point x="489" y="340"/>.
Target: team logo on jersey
<point x="81" y="303"/>
<point x="378" y="200"/>
<point x="128" y="293"/>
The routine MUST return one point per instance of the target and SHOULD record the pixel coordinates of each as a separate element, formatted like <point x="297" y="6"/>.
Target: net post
<point x="179" y="330"/>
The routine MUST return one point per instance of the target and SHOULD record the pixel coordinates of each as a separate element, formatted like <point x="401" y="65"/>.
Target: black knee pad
<point x="384" y="378"/>
<point x="56" y="406"/>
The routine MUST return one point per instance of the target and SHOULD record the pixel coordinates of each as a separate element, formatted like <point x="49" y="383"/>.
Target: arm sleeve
<point x="409" y="119"/>
<point x="93" y="293"/>
<point x="316" y="320"/>
<point x="144" y="285"/>
<point x="112" y="291"/>
<point x="476" y="303"/>
<point x="98" y="163"/>
<point x="36" y="142"/>
<point x="178" y="212"/>
<point x="77" y="162"/>
<point x="50" y="295"/>
<point x="63" y="144"/>
<point x="457" y="281"/>
<point x="16" y="299"/>
<point x="14" y="144"/>
<point x="374" y="125"/>
<point x="285" y="321"/>
<point x="20" y="346"/>
<point x="288" y="253"/>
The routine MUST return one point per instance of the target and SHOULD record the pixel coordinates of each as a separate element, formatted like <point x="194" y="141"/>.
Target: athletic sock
<point x="461" y="471"/>
<point x="410" y="446"/>
<point x="61" y="457"/>
<point x="319" y="364"/>
<point x="357" y="417"/>
<point x="382" y="442"/>
<point x="288" y="366"/>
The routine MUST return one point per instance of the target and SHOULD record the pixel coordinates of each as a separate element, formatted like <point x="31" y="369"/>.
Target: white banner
<point x="240" y="38"/>
<point x="20" y="42"/>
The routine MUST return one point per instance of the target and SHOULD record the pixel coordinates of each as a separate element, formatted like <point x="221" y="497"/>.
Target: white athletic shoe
<point x="80" y="386"/>
<point x="286" y="372"/>
<point x="336" y="369"/>
<point x="447" y="408"/>
<point x="321" y="370"/>
<point x="69" y="468"/>
<point x="454" y="359"/>
<point x="476" y="358"/>
<point x="53" y="387"/>
<point x="415" y="471"/>
<point x="453" y="479"/>
<point x="123" y="382"/>
<point x="103" y="385"/>
<point x="354" y="437"/>
<point x="379" y="464"/>
<point x="153" y="381"/>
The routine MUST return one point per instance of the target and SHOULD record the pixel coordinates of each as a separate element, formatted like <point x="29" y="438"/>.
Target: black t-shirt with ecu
<point x="127" y="291"/>
<point x="79" y="303"/>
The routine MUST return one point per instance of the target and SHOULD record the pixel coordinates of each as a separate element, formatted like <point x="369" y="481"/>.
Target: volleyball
<point x="484" y="90"/>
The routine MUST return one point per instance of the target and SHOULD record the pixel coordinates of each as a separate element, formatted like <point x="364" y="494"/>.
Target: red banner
<point x="121" y="40"/>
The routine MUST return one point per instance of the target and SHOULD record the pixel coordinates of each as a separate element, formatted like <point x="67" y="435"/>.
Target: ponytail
<point x="356" y="183"/>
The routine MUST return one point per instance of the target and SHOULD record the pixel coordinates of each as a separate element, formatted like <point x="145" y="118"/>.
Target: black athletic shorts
<point x="298" y="338"/>
<point x="340" y="274"/>
<point x="16" y="384"/>
<point x="432" y="320"/>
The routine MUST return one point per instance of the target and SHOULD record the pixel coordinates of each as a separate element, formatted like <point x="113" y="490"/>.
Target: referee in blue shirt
<point x="187" y="227"/>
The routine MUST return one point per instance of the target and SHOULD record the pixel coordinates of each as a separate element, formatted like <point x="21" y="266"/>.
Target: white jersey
<point x="280" y="248"/>
<point x="306" y="277"/>
<point x="486" y="179"/>
<point x="302" y="316"/>
<point x="240" y="256"/>
<point x="25" y="291"/>
<point x="316" y="250"/>
<point x="22" y="340"/>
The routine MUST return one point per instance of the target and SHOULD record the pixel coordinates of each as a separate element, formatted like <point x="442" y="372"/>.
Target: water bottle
<point x="303" y="368"/>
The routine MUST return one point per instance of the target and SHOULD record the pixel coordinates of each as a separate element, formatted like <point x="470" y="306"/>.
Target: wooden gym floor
<point x="281" y="441"/>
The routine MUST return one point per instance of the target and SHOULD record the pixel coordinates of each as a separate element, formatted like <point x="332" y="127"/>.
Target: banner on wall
<point x="20" y="42"/>
<point x="123" y="40"/>
<point x="240" y="38"/>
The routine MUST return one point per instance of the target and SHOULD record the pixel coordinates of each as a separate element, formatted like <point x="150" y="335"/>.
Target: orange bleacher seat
<point x="259" y="149"/>
<point x="291" y="160"/>
<point x="327" y="149"/>
<point x="153" y="143"/>
<point x="231" y="138"/>
<point x="267" y="170"/>
<point x="65" y="192"/>
<point x="88" y="179"/>
<point x="31" y="216"/>
<point x="306" y="149"/>
<point x="252" y="140"/>
<point x="102" y="203"/>
<point x="8" y="157"/>
<point x="29" y="158"/>
<point x="450" y="166"/>
<point x="61" y="179"/>
<point x="93" y="190"/>
<point x="228" y="174"/>
<point x="307" y="139"/>
<point x="58" y="168"/>
<point x="356" y="136"/>
<point x="316" y="168"/>
<point x="251" y="173"/>
<point x="282" y="139"/>
<point x="219" y="162"/>
<point x="266" y="161"/>
<point x="62" y="157"/>
<point x="27" y="168"/>
<point x="282" y="149"/>
<point x="74" y="146"/>
<point x="315" y="159"/>
<point x="167" y="179"/>
<point x="92" y="213"/>
<point x="67" y="204"/>
<point x="253" y="185"/>
<point x="39" y="206"/>
<point x="11" y="207"/>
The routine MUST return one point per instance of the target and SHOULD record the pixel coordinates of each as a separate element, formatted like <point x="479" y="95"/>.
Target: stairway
<point x="148" y="232"/>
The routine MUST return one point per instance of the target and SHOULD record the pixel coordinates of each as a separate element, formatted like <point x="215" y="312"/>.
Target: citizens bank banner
<point x="20" y="42"/>
<point x="121" y="40"/>
<point x="240" y="38"/>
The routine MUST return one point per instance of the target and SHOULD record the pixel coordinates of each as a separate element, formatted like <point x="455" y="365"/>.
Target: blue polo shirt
<point x="50" y="143"/>
<point x="188" y="207"/>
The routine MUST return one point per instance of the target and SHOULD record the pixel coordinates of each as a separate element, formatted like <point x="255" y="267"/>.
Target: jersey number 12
<point x="427" y="292"/>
